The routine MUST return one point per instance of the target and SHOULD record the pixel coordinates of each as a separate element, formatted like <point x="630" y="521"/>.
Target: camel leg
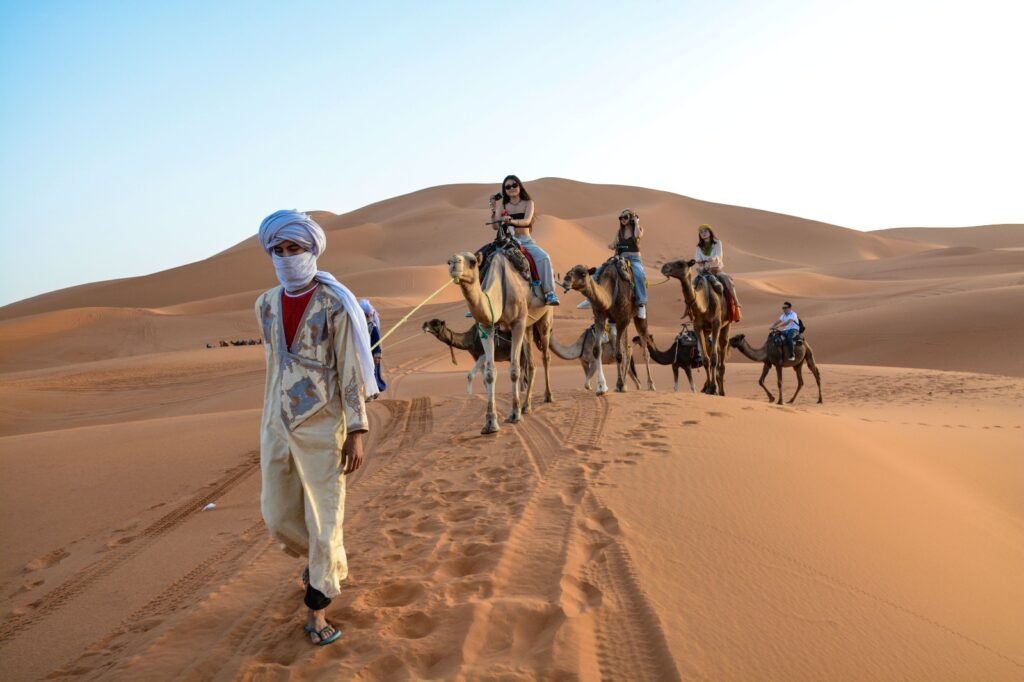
<point x="473" y="372"/>
<point x="689" y="378"/>
<point x="490" y="377"/>
<point x="621" y="357"/>
<point x="764" y="373"/>
<point x="675" y="377"/>
<point x="702" y="339"/>
<point x="518" y="328"/>
<point x="588" y="372"/>
<point x="723" y="348"/>
<point x="545" y="354"/>
<point x="814" y="371"/>
<point x="641" y="330"/>
<point x="602" y="385"/>
<point x="526" y="383"/>
<point x="778" y="374"/>
<point x="712" y="366"/>
<point x="632" y="372"/>
<point x="799" y="369"/>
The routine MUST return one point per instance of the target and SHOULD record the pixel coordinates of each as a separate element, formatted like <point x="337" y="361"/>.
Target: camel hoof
<point x="601" y="393"/>
<point x="527" y="409"/>
<point x="549" y="399"/>
<point x="513" y="418"/>
<point x="487" y="430"/>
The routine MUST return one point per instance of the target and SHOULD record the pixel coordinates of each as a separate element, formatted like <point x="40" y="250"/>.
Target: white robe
<point x="312" y="400"/>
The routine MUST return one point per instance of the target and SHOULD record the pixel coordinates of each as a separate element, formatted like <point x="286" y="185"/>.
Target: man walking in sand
<point x="319" y="374"/>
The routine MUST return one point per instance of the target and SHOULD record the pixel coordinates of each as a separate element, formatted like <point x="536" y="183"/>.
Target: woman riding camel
<point x="710" y="258"/>
<point x="627" y="245"/>
<point x="517" y="210"/>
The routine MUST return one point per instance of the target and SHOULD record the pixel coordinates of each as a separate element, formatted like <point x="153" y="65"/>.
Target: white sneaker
<point x="641" y="312"/>
<point x="584" y="304"/>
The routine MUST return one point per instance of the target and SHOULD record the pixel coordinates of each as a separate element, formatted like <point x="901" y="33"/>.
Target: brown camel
<point x="586" y="351"/>
<point x="710" y="320"/>
<point x="503" y="301"/>
<point x="611" y="299"/>
<point x="773" y="353"/>
<point x="678" y="355"/>
<point x="469" y="341"/>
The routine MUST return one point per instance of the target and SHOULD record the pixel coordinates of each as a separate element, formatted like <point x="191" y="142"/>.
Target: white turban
<point x="370" y="311"/>
<point x="303" y="230"/>
<point x="295" y="227"/>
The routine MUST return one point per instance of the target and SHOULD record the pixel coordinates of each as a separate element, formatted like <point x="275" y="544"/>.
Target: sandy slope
<point x="645" y="536"/>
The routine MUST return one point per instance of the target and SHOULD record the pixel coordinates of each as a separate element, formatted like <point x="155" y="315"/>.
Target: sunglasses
<point x="511" y="185"/>
<point x="623" y="218"/>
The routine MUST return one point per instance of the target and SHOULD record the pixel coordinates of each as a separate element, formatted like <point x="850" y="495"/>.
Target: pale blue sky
<point x="141" y="136"/>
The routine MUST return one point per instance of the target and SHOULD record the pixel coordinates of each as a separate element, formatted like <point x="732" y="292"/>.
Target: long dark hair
<point x="708" y="228"/>
<point x="523" y="194"/>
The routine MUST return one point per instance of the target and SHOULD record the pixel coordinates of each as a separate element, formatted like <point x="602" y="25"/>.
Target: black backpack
<point x="802" y="327"/>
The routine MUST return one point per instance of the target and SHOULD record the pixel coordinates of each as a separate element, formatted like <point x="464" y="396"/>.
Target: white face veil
<point x="301" y="229"/>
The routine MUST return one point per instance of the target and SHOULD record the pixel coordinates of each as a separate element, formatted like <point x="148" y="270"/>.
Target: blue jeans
<point x="790" y="335"/>
<point x="543" y="261"/>
<point x="639" y="276"/>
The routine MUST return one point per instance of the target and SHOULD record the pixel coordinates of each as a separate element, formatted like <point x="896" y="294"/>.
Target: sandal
<point x="319" y="634"/>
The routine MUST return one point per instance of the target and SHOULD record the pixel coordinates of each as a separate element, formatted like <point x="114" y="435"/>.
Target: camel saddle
<point x="777" y="338"/>
<point x="625" y="269"/>
<point x="520" y="259"/>
<point x="687" y="339"/>
<point x="716" y="284"/>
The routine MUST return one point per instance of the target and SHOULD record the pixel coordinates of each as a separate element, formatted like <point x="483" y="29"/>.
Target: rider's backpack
<point x="802" y="327"/>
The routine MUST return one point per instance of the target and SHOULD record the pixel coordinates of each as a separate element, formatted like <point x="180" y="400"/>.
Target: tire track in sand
<point x="20" y="622"/>
<point x="628" y="637"/>
<point x="100" y="657"/>
<point x="531" y="571"/>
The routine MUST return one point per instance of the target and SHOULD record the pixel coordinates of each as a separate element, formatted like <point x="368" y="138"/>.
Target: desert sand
<point x="638" y="536"/>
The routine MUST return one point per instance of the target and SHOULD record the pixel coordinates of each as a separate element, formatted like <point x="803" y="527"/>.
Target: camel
<point x="678" y="355"/>
<point x="710" y="320"/>
<point x="469" y="341"/>
<point x="504" y="301"/>
<point x="611" y="299"/>
<point x="774" y="354"/>
<point x="586" y="351"/>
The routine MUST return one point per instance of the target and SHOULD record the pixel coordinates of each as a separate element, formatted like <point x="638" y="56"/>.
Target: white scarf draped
<point x="303" y="230"/>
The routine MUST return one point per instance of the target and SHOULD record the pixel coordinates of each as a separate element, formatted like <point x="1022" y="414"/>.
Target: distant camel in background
<point x="772" y="354"/>
<point x="585" y="350"/>
<point x="470" y="342"/>
<point x="678" y="355"/>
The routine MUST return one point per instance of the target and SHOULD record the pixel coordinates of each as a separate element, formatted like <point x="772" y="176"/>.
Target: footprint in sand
<point x="395" y="594"/>
<point x="603" y="520"/>
<point x="716" y="414"/>
<point x="416" y="625"/>
<point x="47" y="560"/>
<point x="578" y="596"/>
<point x="691" y="422"/>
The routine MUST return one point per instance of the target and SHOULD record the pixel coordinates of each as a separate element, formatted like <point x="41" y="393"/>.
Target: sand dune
<point x="982" y="237"/>
<point x="646" y="536"/>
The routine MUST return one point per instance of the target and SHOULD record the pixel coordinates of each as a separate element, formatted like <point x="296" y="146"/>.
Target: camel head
<point x="737" y="341"/>
<point x="680" y="269"/>
<point x="650" y="340"/>
<point x="577" y="276"/>
<point x="434" y="326"/>
<point x="464" y="268"/>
